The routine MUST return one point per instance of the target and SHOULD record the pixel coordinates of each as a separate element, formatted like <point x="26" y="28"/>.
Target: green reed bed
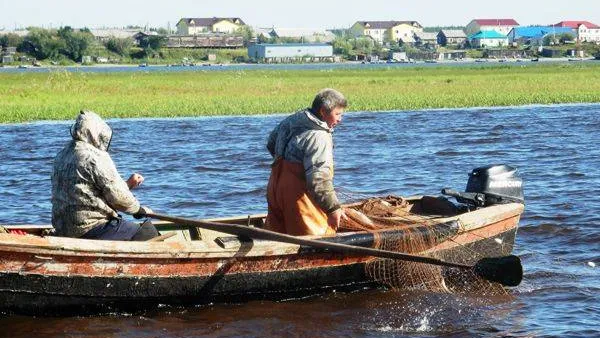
<point x="59" y="95"/>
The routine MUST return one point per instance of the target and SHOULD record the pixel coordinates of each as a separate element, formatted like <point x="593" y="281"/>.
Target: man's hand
<point x="142" y="212"/>
<point x="334" y="218"/>
<point x="135" y="180"/>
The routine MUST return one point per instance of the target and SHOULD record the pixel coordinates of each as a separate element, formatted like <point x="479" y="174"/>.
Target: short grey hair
<point x="329" y="99"/>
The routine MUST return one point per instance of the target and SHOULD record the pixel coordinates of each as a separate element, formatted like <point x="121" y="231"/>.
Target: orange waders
<point x="291" y="210"/>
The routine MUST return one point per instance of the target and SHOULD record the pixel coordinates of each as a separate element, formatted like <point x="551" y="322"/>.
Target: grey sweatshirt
<point x="87" y="190"/>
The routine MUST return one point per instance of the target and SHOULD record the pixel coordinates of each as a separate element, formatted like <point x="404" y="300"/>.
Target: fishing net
<point x="400" y="226"/>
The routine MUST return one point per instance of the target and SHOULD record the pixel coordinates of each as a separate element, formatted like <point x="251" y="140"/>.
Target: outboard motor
<point x="490" y="185"/>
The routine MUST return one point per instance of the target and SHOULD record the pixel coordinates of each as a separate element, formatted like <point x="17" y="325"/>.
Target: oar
<point x="505" y="270"/>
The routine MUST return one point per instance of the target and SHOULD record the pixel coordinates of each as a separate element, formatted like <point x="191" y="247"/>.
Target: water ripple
<point x="209" y="167"/>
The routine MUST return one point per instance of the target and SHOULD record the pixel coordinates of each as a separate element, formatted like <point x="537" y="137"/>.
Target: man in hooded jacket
<point x="88" y="192"/>
<point x="300" y="194"/>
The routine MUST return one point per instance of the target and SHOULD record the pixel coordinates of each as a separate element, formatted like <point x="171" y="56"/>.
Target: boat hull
<point x="51" y="275"/>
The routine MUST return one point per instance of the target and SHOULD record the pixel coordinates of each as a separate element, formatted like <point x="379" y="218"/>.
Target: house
<point x="382" y="31"/>
<point x="451" y="37"/>
<point x="304" y="35"/>
<point x="262" y="33"/>
<point x="287" y="52"/>
<point x="104" y="35"/>
<point x="407" y="40"/>
<point x="195" y="26"/>
<point x="534" y="35"/>
<point x="585" y="30"/>
<point x="425" y="39"/>
<point x="502" y="26"/>
<point x="488" y="39"/>
<point x="139" y="36"/>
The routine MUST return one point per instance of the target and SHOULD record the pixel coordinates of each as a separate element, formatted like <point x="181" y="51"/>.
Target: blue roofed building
<point x="488" y="39"/>
<point x="288" y="52"/>
<point x="534" y="35"/>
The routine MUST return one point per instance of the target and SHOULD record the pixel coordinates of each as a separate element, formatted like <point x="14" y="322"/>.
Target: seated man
<point x="300" y="194"/>
<point x="87" y="191"/>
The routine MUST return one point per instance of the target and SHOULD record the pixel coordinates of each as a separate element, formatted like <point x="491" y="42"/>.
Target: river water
<point x="203" y="167"/>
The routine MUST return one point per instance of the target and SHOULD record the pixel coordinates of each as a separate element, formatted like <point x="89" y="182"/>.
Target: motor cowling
<point x="500" y="184"/>
<point x="491" y="185"/>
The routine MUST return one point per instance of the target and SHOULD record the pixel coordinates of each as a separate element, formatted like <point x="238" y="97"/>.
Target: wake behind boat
<point x="42" y="274"/>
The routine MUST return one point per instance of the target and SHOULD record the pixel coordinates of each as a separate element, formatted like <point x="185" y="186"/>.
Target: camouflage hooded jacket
<point x="303" y="138"/>
<point x="87" y="190"/>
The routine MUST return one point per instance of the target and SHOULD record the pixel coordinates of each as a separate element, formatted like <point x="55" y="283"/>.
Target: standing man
<point x="87" y="190"/>
<point x="300" y="194"/>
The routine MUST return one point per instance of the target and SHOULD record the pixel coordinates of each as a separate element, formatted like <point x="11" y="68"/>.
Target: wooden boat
<point x="194" y="266"/>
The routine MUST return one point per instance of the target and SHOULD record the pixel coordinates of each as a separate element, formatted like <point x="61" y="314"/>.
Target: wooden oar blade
<point x="506" y="270"/>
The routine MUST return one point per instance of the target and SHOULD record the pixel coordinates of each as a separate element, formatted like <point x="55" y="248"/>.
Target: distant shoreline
<point x="283" y="65"/>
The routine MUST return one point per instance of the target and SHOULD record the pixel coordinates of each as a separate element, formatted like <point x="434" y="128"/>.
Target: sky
<point x="319" y="14"/>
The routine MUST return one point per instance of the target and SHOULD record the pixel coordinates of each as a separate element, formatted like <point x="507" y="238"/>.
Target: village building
<point x="304" y="35"/>
<point x="407" y="40"/>
<point x="502" y="26"/>
<point x="486" y="39"/>
<point x="535" y="35"/>
<point x="140" y="35"/>
<point x="456" y="37"/>
<point x="104" y="35"/>
<point x="425" y="39"/>
<point x="195" y="26"/>
<point x="262" y="33"/>
<point x="290" y="52"/>
<point x="585" y="30"/>
<point x="382" y="31"/>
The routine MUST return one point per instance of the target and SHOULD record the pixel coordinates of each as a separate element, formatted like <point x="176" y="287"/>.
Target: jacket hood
<point x="307" y="120"/>
<point x="91" y="129"/>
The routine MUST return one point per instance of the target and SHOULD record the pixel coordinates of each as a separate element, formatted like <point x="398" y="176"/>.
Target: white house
<point x="488" y="39"/>
<point x="502" y="26"/>
<point x="381" y="31"/>
<point x="195" y="26"/>
<point x="586" y="31"/>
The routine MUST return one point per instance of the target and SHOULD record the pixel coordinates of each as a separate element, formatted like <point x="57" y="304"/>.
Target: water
<point x="205" y="167"/>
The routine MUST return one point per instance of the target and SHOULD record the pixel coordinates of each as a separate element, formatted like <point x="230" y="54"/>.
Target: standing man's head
<point x="328" y="105"/>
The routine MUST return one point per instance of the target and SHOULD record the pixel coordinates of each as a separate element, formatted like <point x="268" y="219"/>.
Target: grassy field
<point x="59" y="95"/>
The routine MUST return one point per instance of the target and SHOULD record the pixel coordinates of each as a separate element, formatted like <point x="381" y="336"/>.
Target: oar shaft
<point x="257" y="233"/>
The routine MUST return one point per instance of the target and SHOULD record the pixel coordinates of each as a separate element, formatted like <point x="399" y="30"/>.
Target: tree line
<point x="73" y="44"/>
